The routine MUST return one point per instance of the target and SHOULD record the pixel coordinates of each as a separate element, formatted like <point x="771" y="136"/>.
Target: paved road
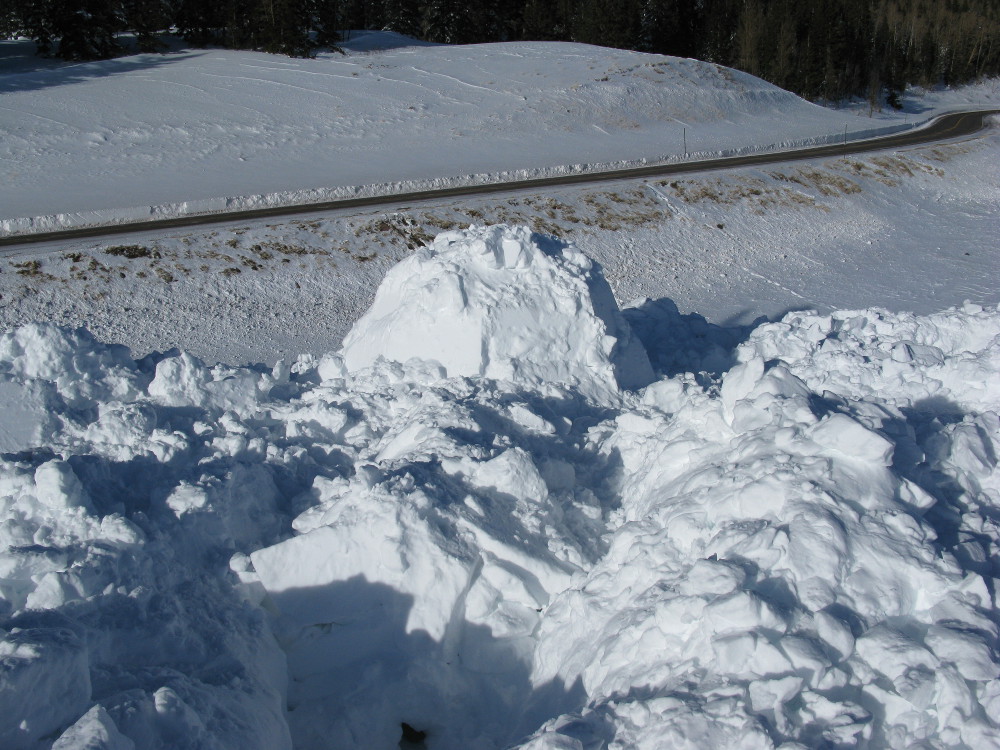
<point x="945" y="127"/>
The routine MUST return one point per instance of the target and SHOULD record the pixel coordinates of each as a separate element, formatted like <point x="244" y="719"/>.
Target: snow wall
<point x="464" y="523"/>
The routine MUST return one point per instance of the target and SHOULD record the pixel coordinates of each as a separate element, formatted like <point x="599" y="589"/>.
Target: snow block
<point x="82" y="369"/>
<point x="22" y="417"/>
<point x="44" y="684"/>
<point x="378" y="550"/>
<point x="840" y="433"/>
<point x="95" y="730"/>
<point x="502" y="302"/>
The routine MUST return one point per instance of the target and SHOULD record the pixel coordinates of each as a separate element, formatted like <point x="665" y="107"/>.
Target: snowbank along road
<point x="944" y="127"/>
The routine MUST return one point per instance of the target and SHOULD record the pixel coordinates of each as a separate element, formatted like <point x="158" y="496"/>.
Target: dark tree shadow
<point x="19" y="75"/>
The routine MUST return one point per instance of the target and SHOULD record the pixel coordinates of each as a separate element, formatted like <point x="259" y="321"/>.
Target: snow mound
<point x="800" y="551"/>
<point x="502" y="303"/>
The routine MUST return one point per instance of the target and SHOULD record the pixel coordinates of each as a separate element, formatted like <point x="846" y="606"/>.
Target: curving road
<point x="944" y="127"/>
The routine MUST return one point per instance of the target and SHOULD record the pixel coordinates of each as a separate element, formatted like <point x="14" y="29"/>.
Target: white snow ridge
<point x="487" y="518"/>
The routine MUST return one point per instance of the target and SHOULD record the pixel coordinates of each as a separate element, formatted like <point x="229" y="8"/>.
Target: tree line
<point x="821" y="49"/>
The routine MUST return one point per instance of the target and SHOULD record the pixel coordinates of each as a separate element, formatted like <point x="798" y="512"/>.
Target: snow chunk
<point x="58" y="488"/>
<point x="186" y="381"/>
<point x="44" y="683"/>
<point x="373" y="549"/>
<point x="82" y="369"/>
<point x="95" y="730"/>
<point x="841" y="433"/>
<point x="22" y="417"/>
<point x="505" y="303"/>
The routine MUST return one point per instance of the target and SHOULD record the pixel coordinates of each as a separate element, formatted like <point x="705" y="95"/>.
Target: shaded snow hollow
<point x="461" y="522"/>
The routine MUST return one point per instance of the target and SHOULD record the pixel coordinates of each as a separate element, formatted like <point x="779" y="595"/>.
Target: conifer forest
<point x="820" y="49"/>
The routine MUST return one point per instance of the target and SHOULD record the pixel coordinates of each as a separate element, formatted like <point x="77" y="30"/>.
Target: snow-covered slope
<point x="913" y="231"/>
<point x="197" y="130"/>
<point x="801" y="551"/>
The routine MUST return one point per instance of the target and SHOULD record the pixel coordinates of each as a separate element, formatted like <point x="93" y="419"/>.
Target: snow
<point x="909" y="231"/>
<point x="756" y="507"/>
<point x="796" y="551"/>
<point x="479" y="319"/>
<point x="196" y="131"/>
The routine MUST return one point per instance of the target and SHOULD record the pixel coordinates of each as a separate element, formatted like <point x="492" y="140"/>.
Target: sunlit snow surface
<point x="799" y="551"/>
<point x="150" y="135"/>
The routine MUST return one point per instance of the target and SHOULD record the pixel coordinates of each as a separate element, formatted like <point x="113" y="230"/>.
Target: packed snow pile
<point x="473" y="304"/>
<point x="464" y="523"/>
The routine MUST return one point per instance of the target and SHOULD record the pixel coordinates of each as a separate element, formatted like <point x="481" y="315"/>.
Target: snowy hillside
<point x="496" y="545"/>
<point x="200" y="130"/>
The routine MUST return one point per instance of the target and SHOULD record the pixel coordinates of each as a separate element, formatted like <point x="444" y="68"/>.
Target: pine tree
<point x="504" y="21"/>
<point x="610" y="23"/>
<point x="145" y="18"/>
<point x="10" y="22"/>
<point x="721" y="20"/>
<point x="402" y="16"/>
<point x="669" y="27"/>
<point x="86" y="28"/>
<point x="200" y="23"/>
<point x="326" y="21"/>
<point x="363" y="14"/>
<point x="240" y="24"/>
<point x="547" y="20"/>
<point x="33" y="19"/>
<point x="447" y="22"/>
<point x="282" y="26"/>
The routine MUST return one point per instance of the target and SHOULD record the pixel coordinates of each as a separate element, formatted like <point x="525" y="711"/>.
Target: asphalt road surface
<point x="945" y="127"/>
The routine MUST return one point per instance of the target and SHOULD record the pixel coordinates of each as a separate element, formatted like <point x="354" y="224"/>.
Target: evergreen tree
<point x="363" y="14"/>
<point x="546" y="20"/>
<point x="200" y="23"/>
<point x="504" y="21"/>
<point x="326" y="21"/>
<point x="33" y="18"/>
<point x="402" y="16"/>
<point x="670" y="27"/>
<point x="282" y="26"/>
<point x="86" y="28"/>
<point x="611" y="23"/>
<point x="240" y="24"/>
<point x="447" y="22"/>
<point x="491" y="20"/>
<point x="10" y="22"/>
<point x="721" y="19"/>
<point x="145" y="18"/>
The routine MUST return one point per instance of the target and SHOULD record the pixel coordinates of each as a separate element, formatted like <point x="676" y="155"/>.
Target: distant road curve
<point x="944" y="127"/>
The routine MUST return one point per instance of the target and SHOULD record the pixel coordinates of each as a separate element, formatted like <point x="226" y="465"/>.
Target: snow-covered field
<point x="499" y="509"/>
<point x="195" y="130"/>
